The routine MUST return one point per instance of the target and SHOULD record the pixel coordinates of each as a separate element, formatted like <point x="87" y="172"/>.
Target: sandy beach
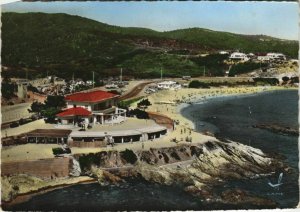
<point x="166" y="102"/>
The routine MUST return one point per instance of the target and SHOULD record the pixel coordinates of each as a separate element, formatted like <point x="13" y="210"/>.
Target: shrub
<point x="144" y="102"/>
<point x="285" y="78"/>
<point x="266" y="81"/>
<point x="58" y="151"/>
<point x="246" y="67"/>
<point x="24" y="121"/>
<point x="197" y="84"/>
<point x="14" y="124"/>
<point x="126" y="103"/>
<point x="295" y="79"/>
<point x="129" y="156"/>
<point x="140" y="114"/>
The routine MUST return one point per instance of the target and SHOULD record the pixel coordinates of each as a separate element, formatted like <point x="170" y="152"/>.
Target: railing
<point x="108" y="110"/>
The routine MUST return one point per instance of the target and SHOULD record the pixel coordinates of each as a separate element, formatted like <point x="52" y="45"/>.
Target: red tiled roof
<point x="75" y="111"/>
<point x="93" y="96"/>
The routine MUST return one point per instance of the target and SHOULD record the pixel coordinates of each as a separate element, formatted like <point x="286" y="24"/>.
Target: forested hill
<point x="62" y="44"/>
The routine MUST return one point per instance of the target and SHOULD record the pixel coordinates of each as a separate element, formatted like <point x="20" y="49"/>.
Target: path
<point x="135" y="91"/>
<point x="15" y="112"/>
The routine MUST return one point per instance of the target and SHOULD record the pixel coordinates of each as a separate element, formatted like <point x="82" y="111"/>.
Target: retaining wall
<point x="44" y="168"/>
<point x="37" y="96"/>
<point x="83" y="144"/>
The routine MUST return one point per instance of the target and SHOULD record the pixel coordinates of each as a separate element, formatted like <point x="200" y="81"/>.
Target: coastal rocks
<point x="8" y="191"/>
<point x="165" y="155"/>
<point x="212" y="161"/>
<point x="197" y="167"/>
<point x="104" y="177"/>
<point x="13" y="185"/>
<point x="154" y="174"/>
<point x="203" y="193"/>
<point x="75" y="170"/>
<point x="278" y="129"/>
<point x="105" y="159"/>
<point x="238" y="196"/>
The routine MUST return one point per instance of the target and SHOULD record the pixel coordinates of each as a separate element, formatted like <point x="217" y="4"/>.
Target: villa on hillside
<point x="93" y="107"/>
<point x="239" y="56"/>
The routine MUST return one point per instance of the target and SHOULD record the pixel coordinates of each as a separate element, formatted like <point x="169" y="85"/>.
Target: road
<point x="135" y="91"/>
<point x="15" y="112"/>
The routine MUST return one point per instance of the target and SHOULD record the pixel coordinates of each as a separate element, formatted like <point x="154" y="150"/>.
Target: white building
<point x="92" y="107"/>
<point x="276" y="56"/>
<point x="263" y="58"/>
<point x="271" y="57"/>
<point x="167" y="85"/>
<point x="239" y="56"/>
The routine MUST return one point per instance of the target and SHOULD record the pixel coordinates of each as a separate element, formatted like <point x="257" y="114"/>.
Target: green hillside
<point x="62" y="44"/>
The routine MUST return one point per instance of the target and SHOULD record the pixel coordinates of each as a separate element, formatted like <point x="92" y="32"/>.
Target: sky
<point x="277" y="19"/>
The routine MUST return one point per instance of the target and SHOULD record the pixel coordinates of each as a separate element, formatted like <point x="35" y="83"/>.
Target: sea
<point x="227" y="117"/>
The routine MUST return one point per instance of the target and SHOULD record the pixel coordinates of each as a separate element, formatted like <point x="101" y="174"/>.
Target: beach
<point x="166" y="102"/>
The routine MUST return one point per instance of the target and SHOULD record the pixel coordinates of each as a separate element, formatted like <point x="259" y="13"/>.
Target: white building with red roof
<point x="96" y="107"/>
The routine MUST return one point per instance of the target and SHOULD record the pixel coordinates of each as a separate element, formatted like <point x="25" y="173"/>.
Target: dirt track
<point x="135" y="91"/>
<point x="161" y="119"/>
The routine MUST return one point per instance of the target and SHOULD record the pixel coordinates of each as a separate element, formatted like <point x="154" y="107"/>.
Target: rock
<point x="278" y="129"/>
<point x="238" y="196"/>
<point x="76" y="170"/>
<point x="212" y="163"/>
<point x="104" y="177"/>
<point x="111" y="177"/>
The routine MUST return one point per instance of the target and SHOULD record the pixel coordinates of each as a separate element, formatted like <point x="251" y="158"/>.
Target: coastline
<point x="202" y="139"/>
<point x="207" y="99"/>
<point x="23" y="197"/>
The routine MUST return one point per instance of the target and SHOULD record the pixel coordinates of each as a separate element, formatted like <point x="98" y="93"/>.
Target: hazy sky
<point x="269" y="18"/>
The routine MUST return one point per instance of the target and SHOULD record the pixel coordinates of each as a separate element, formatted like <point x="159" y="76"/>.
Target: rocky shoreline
<point x="278" y="129"/>
<point x="198" y="168"/>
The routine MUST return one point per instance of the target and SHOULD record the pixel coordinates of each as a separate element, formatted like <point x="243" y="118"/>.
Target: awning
<point x="49" y="133"/>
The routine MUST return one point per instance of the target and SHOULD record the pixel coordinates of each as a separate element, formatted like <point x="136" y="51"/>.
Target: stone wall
<point x="36" y="96"/>
<point x="45" y="168"/>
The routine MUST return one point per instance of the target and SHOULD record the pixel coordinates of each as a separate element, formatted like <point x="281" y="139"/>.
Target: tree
<point x="57" y="102"/>
<point x="50" y="108"/>
<point x="197" y="84"/>
<point x="7" y="89"/>
<point x="50" y="114"/>
<point x="144" y="103"/>
<point x="36" y="107"/>
<point x="285" y="79"/>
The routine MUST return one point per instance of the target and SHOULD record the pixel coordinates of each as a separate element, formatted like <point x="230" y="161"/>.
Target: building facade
<point x="93" y="107"/>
